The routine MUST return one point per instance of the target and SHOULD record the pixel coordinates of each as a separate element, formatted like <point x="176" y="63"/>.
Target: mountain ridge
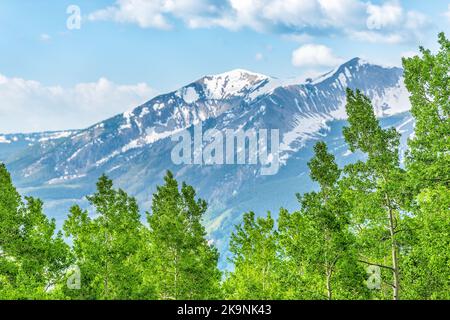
<point x="297" y="109"/>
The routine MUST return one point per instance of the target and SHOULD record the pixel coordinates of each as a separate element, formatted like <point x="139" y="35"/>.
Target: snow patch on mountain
<point x="65" y="178"/>
<point x="4" y="140"/>
<point x="233" y="83"/>
<point x="127" y="117"/>
<point x="270" y="85"/>
<point x="340" y="113"/>
<point x="146" y="111"/>
<point x="107" y="158"/>
<point x="190" y="95"/>
<point x="394" y="100"/>
<point x="56" y="135"/>
<point x="151" y="136"/>
<point x="304" y="129"/>
<point x="76" y="153"/>
<point x="36" y="137"/>
<point x="323" y="77"/>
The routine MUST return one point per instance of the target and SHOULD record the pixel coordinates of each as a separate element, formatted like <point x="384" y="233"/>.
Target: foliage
<point x="185" y="263"/>
<point x="373" y="189"/>
<point x="255" y="259"/>
<point x="318" y="238"/>
<point x="33" y="256"/>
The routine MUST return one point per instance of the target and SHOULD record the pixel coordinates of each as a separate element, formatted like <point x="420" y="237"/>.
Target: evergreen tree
<point x="185" y="264"/>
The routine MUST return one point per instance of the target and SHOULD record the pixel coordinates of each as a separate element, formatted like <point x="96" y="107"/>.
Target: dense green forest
<point x="375" y="229"/>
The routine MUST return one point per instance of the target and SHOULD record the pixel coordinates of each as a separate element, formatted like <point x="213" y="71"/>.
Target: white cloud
<point x="259" y="15"/>
<point x="390" y="23"/>
<point x="259" y="56"/>
<point x="287" y="15"/>
<point x="144" y="13"/>
<point x="415" y="20"/>
<point x="386" y="15"/>
<point x="387" y="22"/>
<point x="343" y="13"/>
<point x="154" y="13"/>
<point x="314" y="55"/>
<point x="28" y="106"/>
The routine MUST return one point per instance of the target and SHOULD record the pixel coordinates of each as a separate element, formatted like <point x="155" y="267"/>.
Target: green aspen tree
<point x="426" y="266"/>
<point x="317" y="239"/>
<point x="375" y="189"/>
<point x="107" y="245"/>
<point x="254" y="249"/>
<point x="185" y="262"/>
<point x="33" y="256"/>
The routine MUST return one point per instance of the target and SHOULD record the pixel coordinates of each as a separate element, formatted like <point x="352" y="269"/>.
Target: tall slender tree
<point x="375" y="188"/>
<point x="318" y="238"/>
<point x="106" y="246"/>
<point x="427" y="78"/>
<point x="185" y="261"/>
<point x="256" y="261"/>
<point x="426" y="266"/>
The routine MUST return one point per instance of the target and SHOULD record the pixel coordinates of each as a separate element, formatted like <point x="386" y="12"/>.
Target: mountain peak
<point x="236" y="82"/>
<point x="347" y="68"/>
<point x="355" y="61"/>
<point x="238" y="73"/>
<point x="363" y="62"/>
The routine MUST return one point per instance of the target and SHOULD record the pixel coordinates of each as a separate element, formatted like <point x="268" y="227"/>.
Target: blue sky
<point x="127" y="51"/>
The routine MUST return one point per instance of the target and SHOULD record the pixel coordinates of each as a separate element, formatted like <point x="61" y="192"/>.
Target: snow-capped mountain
<point x="134" y="147"/>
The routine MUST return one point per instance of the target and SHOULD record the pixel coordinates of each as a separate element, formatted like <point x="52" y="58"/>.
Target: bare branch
<point x="376" y="264"/>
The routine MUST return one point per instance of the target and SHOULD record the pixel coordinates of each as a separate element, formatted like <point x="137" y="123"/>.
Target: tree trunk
<point x="106" y="278"/>
<point x="176" y="276"/>
<point x="329" y="290"/>
<point x="105" y="282"/>
<point x="395" y="267"/>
